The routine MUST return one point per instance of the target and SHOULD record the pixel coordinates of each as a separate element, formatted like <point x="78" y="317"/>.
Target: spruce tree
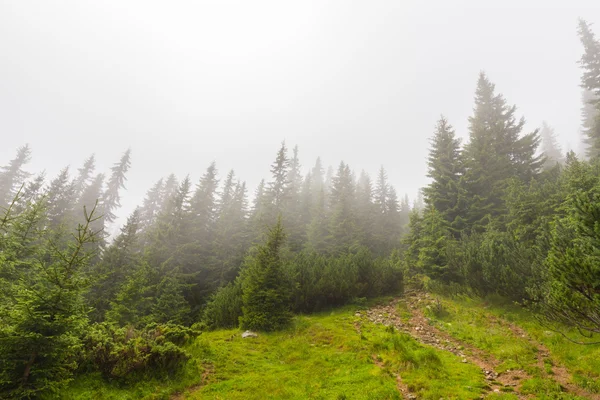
<point x="342" y="222"/>
<point x="61" y="198"/>
<point x="279" y="186"/>
<point x="590" y="82"/>
<point x="495" y="153"/>
<point x="265" y="295"/>
<point x="589" y="113"/>
<point x="445" y="168"/>
<point x="119" y="261"/>
<point x="12" y="176"/>
<point x="40" y="332"/>
<point x="111" y="198"/>
<point x="204" y="203"/>
<point x="151" y="206"/>
<point x="550" y="146"/>
<point x="83" y="175"/>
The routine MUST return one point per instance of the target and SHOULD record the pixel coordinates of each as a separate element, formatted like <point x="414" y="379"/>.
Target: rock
<point x="248" y="334"/>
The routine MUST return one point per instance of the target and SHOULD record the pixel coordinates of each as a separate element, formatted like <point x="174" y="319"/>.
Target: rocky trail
<point x="417" y="325"/>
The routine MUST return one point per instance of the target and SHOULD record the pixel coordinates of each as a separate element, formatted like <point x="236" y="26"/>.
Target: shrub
<point x="126" y="352"/>
<point x="224" y="307"/>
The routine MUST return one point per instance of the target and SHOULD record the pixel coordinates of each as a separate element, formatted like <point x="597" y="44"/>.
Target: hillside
<point x="439" y="347"/>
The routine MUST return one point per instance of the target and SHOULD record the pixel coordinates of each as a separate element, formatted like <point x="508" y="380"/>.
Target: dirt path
<point x="418" y="326"/>
<point x="559" y="373"/>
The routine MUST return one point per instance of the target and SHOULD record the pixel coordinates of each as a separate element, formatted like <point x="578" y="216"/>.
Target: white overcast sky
<point x="184" y="83"/>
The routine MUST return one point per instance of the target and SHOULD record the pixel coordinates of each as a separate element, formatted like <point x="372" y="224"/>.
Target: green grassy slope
<point x="341" y="355"/>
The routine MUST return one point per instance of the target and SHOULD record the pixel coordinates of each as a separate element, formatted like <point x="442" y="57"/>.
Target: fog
<point x="187" y="83"/>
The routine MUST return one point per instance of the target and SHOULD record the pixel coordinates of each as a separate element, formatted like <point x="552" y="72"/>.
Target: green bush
<point x="120" y="353"/>
<point x="224" y="307"/>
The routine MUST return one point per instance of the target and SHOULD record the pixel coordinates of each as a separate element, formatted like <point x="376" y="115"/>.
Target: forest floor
<point x="417" y="346"/>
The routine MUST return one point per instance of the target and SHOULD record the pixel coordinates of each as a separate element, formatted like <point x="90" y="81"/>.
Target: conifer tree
<point x="119" y="261"/>
<point x="204" y="203"/>
<point x="318" y="237"/>
<point x="445" y="168"/>
<point x="12" y="176"/>
<point x="265" y="295"/>
<point x="293" y="219"/>
<point x="111" y="199"/>
<point x="60" y="199"/>
<point x="495" y="153"/>
<point x="83" y="175"/>
<point x="31" y="193"/>
<point x="40" y="331"/>
<point x="550" y="146"/>
<point x="342" y="223"/>
<point x="168" y="190"/>
<point x="589" y="113"/>
<point x="590" y="82"/>
<point x="279" y="186"/>
<point x="90" y="196"/>
<point x="151" y="206"/>
<point x="317" y="176"/>
<point x="365" y="209"/>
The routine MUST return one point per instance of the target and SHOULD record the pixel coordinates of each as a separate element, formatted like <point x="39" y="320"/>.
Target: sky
<point x="185" y="83"/>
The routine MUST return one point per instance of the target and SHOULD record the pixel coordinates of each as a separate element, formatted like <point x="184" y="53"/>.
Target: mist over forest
<point x="178" y="241"/>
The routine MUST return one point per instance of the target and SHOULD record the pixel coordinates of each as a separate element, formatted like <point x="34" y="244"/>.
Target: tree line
<point x="191" y="254"/>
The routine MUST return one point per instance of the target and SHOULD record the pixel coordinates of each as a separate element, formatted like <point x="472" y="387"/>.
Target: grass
<point x="485" y="324"/>
<point x="325" y="356"/>
<point x="321" y="356"/>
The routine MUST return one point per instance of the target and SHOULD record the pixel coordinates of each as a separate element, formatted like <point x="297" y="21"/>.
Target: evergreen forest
<point x="350" y="288"/>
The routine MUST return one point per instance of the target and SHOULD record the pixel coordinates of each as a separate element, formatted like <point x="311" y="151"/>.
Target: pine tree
<point x="230" y="240"/>
<point x="590" y="82"/>
<point x="279" y="186"/>
<point x="342" y="223"/>
<point x="495" y="153"/>
<point x="550" y="146"/>
<point x="83" y="175"/>
<point x="119" y="261"/>
<point x="433" y="241"/>
<point x="446" y="170"/>
<point x="589" y="113"/>
<point x="295" y="229"/>
<point x="365" y="209"/>
<point x="61" y="199"/>
<point x="318" y="237"/>
<point x="31" y="193"/>
<point x="12" y="176"/>
<point x="204" y="203"/>
<point x="318" y="176"/>
<point x="151" y="206"/>
<point x="40" y="332"/>
<point x="265" y="295"/>
<point x="111" y="199"/>
<point x="88" y="200"/>
<point x="168" y="190"/>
